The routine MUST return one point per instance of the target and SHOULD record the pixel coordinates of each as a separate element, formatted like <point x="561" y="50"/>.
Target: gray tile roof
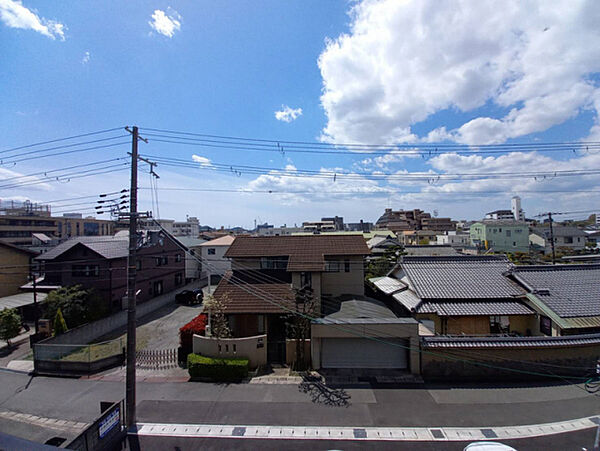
<point x="474" y="308"/>
<point x="388" y="285"/>
<point x="508" y="342"/>
<point x="107" y="246"/>
<point x="465" y="277"/>
<point x="432" y="250"/>
<point x="408" y="299"/>
<point x="568" y="290"/>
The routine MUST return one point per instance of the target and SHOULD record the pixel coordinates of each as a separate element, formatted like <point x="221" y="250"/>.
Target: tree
<point x="10" y="324"/>
<point x="219" y="326"/>
<point x="77" y="305"/>
<point x="379" y="267"/>
<point x="298" y="324"/>
<point x="60" y="326"/>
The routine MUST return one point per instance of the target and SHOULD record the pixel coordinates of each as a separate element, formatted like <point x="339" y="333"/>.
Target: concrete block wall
<point x="252" y="348"/>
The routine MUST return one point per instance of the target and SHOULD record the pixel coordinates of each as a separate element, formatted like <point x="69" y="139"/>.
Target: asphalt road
<point x="247" y="404"/>
<point x="574" y="441"/>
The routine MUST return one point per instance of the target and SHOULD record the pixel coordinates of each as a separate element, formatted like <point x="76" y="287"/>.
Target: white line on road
<point x="363" y="433"/>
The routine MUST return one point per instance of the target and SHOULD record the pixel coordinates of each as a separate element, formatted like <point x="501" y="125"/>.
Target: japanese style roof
<point x="464" y="278"/>
<point x="305" y="253"/>
<point x="474" y="308"/>
<point x="567" y="290"/>
<point x="408" y="299"/>
<point x="387" y="285"/>
<point x="431" y="251"/>
<point x="248" y="296"/>
<point x="509" y="342"/>
<point x="108" y="247"/>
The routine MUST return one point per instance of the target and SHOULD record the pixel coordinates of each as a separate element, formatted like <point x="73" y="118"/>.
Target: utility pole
<point x="130" y="398"/>
<point x="552" y="238"/>
<point x="35" y="305"/>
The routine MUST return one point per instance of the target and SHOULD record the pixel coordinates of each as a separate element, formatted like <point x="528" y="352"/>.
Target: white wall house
<point x="213" y="256"/>
<point x="454" y="239"/>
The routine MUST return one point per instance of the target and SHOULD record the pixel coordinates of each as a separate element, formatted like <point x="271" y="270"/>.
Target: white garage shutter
<point x="364" y="353"/>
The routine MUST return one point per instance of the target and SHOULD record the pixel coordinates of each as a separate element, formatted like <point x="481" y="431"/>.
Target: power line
<point x="332" y="174"/>
<point x="62" y="139"/>
<point x="207" y="138"/>
<point x="65" y="146"/>
<point x="61" y="169"/>
<point x="69" y="177"/>
<point x="105" y="146"/>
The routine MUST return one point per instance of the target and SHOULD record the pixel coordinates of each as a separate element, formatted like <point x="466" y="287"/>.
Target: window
<point x="85" y="270"/>
<point x="332" y="266"/>
<point x="178" y="279"/>
<point x="157" y="288"/>
<point x="346" y="265"/>
<point x="177" y="257"/>
<point x="518" y="230"/>
<point x="165" y="260"/>
<point x="158" y="261"/>
<point x="514" y="243"/>
<point x="500" y="230"/>
<point x="139" y="264"/>
<point x="568" y="240"/>
<point x="508" y="233"/>
<point x="211" y="251"/>
<point x="273" y="262"/>
<point x="305" y="279"/>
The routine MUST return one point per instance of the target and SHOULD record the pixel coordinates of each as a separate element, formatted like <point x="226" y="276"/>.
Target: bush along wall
<point x="196" y="326"/>
<point x="218" y="370"/>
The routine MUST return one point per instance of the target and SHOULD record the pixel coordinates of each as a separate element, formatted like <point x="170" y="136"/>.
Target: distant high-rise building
<point x="517" y="211"/>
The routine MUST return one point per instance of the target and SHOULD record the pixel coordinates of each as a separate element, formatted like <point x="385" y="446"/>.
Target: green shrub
<point x="60" y="326"/>
<point x="220" y="370"/>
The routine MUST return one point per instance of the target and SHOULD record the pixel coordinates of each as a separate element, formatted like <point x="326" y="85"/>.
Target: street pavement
<point x="286" y="404"/>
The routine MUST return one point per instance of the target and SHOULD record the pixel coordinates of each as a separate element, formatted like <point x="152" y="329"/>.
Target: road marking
<point x="364" y="433"/>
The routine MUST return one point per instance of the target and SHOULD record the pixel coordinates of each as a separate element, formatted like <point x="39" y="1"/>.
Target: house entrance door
<point x="275" y="339"/>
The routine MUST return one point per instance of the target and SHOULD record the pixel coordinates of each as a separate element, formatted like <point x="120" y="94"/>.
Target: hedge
<point x="187" y="332"/>
<point x="220" y="370"/>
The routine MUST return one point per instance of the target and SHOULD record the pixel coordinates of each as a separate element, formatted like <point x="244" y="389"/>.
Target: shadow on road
<point x="322" y="394"/>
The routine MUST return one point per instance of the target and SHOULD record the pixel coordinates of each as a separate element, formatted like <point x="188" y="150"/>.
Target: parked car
<point x="488" y="446"/>
<point x="189" y="297"/>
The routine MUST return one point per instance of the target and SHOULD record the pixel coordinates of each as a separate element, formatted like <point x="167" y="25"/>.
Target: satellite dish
<point x="435" y="213"/>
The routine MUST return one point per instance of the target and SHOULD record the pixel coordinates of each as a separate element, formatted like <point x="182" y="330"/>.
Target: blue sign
<point x="108" y="423"/>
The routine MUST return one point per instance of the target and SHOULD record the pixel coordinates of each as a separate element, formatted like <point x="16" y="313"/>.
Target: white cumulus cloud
<point x="15" y="15"/>
<point x="86" y="58"/>
<point x="202" y="160"/>
<point x="165" y="23"/>
<point x="287" y="114"/>
<point x="404" y="61"/>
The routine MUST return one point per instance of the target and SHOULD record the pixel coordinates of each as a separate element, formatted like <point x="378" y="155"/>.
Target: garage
<point x="364" y="353"/>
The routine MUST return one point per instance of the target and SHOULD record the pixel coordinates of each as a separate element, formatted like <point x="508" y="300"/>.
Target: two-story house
<point x="500" y="235"/>
<point x="259" y="291"/>
<point x="101" y="263"/>
<point x="565" y="238"/>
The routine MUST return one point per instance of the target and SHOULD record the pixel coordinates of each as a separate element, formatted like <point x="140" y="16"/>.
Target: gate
<point x="156" y="359"/>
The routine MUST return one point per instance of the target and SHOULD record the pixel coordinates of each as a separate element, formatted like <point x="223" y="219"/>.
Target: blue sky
<point x="370" y="72"/>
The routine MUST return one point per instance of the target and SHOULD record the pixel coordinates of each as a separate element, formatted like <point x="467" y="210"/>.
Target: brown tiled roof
<point x="252" y="297"/>
<point x="305" y="252"/>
